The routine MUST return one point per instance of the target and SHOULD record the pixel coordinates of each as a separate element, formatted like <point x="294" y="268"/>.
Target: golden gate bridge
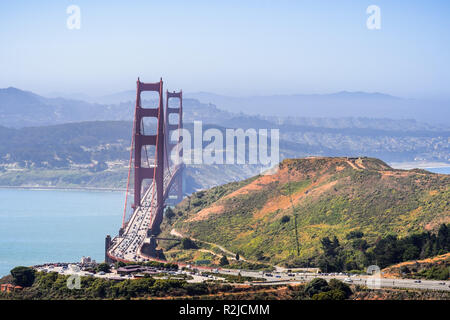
<point x="136" y="239"/>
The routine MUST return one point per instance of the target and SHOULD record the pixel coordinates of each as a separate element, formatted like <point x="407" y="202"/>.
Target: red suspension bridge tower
<point x="140" y="140"/>
<point x="173" y="149"/>
<point x="165" y="174"/>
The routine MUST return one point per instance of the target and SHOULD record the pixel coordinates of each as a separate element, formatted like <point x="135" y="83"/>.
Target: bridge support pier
<point x="149" y="249"/>
<point x="107" y="246"/>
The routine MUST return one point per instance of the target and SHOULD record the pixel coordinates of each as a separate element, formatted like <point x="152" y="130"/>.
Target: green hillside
<point x="318" y="198"/>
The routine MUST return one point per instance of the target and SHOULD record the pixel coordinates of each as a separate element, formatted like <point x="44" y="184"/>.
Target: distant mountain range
<point x="19" y="108"/>
<point x="388" y="139"/>
<point x="113" y="98"/>
<point x="336" y="105"/>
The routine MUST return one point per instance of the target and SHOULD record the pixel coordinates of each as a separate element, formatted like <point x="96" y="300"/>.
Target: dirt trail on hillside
<point x="173" y="232"/>
<point x="354" y="166"/>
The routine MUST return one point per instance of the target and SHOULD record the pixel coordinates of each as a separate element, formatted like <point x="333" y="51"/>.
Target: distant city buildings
<point x="87" y="261"/>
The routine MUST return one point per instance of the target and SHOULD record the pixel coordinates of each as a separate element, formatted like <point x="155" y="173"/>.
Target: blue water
<point x="445" y="170"/>
<point x="38" y="226"/>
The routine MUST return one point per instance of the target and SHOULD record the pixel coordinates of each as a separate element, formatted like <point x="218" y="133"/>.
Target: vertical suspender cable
<point x="129" y="170"/>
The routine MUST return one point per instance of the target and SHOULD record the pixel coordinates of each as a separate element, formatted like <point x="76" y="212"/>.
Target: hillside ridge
<point x="320" y="197"/>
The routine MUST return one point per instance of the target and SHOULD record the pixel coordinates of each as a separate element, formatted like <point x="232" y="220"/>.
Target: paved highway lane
<point x="283" y="278"/>
<point x="277" y="278"/>
<point x="128" y="246"/>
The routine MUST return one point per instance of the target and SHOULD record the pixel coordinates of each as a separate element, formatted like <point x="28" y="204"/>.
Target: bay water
<point x="38" y="226"/>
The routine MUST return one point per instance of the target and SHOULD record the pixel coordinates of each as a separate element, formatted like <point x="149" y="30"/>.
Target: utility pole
<point x="295" y="217"/>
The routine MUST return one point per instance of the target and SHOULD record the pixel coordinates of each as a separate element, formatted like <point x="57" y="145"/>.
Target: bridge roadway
<point x="127" y="247"/>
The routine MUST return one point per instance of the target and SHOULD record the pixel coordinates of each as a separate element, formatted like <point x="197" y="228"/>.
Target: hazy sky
<point x="231" y="47"/>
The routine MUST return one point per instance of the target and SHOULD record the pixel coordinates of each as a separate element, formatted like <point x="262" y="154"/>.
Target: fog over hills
<point x="41" y="133"/>
<point x="60" y="107"/>
<point x="20" y="108"/>
<point x="336" y="105"/>
<point x="333" y="105"/>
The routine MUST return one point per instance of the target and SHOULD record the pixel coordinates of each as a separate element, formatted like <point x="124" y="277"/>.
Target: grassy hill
<point x="315" y="198"/>
<point x="436" y="268"/>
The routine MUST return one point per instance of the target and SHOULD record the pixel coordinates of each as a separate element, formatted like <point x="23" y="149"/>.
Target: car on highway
<point x="417" y="281"/>
<point x="348" y="280"/>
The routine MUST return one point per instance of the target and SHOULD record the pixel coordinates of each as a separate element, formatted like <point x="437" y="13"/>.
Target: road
<point x="128" y="246"/>
<point x="283" y="278"/>
<point x="280" y="278"/>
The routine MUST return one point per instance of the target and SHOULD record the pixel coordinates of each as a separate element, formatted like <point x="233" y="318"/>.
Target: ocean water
<point x="445" y="170"/>
<point x="38" y="226"/>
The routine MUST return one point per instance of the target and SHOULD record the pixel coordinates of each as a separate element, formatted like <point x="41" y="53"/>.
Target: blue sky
<point x="245" y="47"/>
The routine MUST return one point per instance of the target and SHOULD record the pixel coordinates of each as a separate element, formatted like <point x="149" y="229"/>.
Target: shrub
<point x="223" y="261"/>
<point x="23" y="276"/>
<point x="103" y="267"/>
<point x="188" y="244"/>
<point x="339" y="285"/>
<point x="330" y="295"/>
<point x="315" y="286"/>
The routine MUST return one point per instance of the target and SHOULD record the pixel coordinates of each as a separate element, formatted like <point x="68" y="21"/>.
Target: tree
<point x="103" y="267"/>
<point x="223" y="261"/>
<point x="285" y="219"/>
<point x="341" y="286"/>
<point x="188" y="244"/>
<point x="355" y="234"/>
<point x="330" y="246"/>
<point x="237" y="257"/>
<point x="169" y="213"/>
<point x="316" y="286"/>
<point x="330" y="295"/>
<point x="23" y="276"/>
<point x="410" y="253"/>
<point x="360" y="244"/>
<point x="443" y="239"/>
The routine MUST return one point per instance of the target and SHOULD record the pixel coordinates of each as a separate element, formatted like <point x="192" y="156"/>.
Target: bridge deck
<point x="127" y="247"/>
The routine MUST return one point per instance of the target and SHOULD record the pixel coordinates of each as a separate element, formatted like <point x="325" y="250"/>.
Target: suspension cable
<point x="129" y="170"/>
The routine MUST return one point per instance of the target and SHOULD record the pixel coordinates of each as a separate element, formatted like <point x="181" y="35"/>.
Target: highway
<point x="127" y="247"/>
<point x="284" y="278"/>
<point x="281" y="278"/>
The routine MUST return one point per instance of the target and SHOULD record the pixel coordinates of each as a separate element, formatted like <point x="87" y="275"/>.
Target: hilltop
<point x="324" y="197"/>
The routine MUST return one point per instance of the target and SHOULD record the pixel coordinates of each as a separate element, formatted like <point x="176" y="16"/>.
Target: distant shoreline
<point x="64" y="188"/>
<point x="418" y="165"/>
